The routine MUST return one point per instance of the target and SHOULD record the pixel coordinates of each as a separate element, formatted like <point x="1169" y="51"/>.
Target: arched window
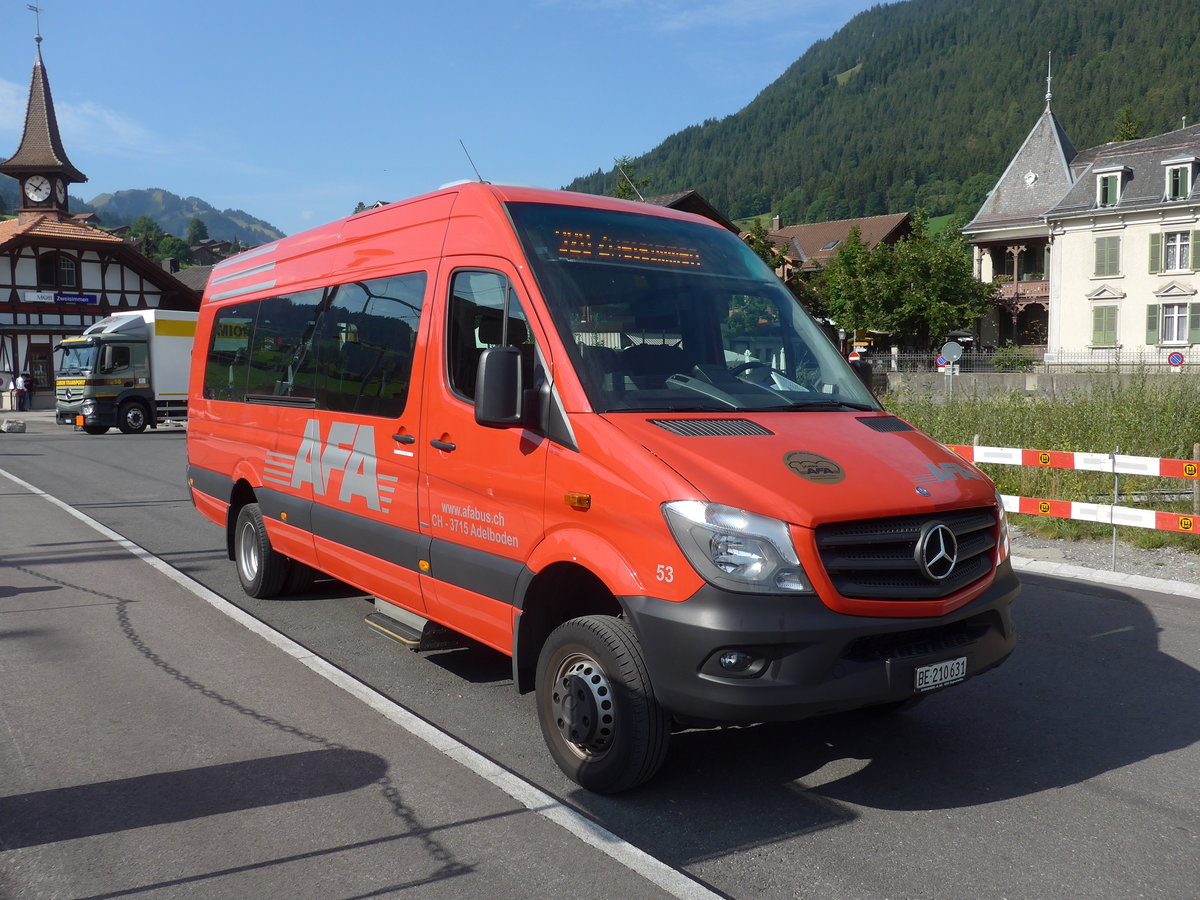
<point x="57" y="269"/>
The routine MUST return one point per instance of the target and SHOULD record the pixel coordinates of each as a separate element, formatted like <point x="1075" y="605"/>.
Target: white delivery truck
<point x="128" y="370"/>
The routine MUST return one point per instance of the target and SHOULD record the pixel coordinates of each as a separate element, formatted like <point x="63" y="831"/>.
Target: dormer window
<point x="1109" y="182"/>
<point x="1180" y="172"/>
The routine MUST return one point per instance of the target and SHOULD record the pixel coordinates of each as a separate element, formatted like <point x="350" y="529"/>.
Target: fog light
<point x="736" y="660"/>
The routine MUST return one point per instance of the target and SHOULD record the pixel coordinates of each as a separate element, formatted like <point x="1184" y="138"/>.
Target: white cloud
<point x="12" y="110"/>
<point x="90" y="124"/>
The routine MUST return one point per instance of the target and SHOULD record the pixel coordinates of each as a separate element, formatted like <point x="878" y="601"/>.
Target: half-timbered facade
<point x="59" y="275"/>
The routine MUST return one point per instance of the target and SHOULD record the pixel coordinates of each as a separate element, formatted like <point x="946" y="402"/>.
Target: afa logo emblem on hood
<point x="814" y="467"/>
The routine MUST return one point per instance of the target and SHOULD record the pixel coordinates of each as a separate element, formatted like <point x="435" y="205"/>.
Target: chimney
<point x="170" y="264"/>
<point x="776" y="223"/>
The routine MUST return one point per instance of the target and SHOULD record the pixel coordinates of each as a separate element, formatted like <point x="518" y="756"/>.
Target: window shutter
<point x="1194" y="323"/>
<point x="1195" y="250"/>
<point x="1104" y="325"/>
<point x="1155" y="253"/>
<point x="1152" y="323"/>
<point x="1099" y="270"/>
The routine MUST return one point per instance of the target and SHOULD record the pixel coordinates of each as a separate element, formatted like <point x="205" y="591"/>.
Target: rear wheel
<point x="596" y="706"/>
<point x="261" y="569"/>
<point x="131" y="417"/>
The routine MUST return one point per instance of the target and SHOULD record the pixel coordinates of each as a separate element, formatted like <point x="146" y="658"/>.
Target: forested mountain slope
<point x="924" y="102"/>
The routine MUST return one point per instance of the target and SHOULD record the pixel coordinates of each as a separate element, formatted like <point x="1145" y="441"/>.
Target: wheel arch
<point x="242" y="494"/>
<point x="558" y="593"/>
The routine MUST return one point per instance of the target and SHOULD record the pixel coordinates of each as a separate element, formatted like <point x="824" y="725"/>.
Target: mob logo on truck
<point x="344" y="461"/>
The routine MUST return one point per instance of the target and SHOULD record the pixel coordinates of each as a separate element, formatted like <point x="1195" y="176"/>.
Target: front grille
<point x="919" y="642"/>
<point x="712" y="427"/>
<point x="875" y="559"/>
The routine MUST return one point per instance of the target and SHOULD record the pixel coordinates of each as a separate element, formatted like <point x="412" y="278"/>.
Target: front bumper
<point x="809" y="660"/>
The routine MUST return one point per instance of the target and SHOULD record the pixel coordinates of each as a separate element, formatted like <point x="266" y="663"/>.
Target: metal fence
<point x="1039" y="360"/>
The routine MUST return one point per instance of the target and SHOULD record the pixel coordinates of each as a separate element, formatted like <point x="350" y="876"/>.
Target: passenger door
<point x="484" y="488"/>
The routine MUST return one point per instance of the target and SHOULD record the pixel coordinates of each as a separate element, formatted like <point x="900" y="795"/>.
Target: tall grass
<point x="1139" y="414"/>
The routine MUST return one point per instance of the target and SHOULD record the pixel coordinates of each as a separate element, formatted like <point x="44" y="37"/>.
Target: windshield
<point x="661" y="314"/>
<point x="77" y="359"/>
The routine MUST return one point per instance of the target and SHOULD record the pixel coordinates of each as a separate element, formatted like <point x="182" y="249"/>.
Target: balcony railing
<point x="1026" y="289"/>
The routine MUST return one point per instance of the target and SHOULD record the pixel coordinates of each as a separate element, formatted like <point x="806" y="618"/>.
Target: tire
<point x="132" y="417"/>
<point x="261" y="569"/>
<point x="96" y="429"/>
<point x="596" y="706"/>
<point x="300" y="578"/>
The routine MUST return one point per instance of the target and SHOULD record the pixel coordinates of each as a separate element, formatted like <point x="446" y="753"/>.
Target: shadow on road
<point x="64" y="814"/>
<point x="1087" y="691"/>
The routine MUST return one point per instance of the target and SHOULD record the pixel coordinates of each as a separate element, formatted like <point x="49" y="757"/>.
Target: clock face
<point x="60" y="190"/>
<point x="37" y="188"/>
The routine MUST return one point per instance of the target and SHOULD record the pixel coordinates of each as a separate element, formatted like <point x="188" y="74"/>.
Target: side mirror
<point x="499" y="394"/>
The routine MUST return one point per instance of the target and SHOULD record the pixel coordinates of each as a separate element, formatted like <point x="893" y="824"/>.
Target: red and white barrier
<point x="1090" y="462"/>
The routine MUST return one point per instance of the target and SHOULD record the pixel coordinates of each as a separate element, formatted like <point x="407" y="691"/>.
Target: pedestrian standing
<point x="19" y="388"/>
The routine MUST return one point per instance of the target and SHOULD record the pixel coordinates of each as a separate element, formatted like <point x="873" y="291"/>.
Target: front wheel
<point x="131" y="417"/>
<point x="261" y="568"/>
<point x="96" y="429"/>
<point x="596" y="705"/>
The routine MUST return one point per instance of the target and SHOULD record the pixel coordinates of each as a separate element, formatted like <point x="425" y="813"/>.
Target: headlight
<point x="735" y="549"/>
<point x="1002" y="545"/>
<point x="87" y="407"/>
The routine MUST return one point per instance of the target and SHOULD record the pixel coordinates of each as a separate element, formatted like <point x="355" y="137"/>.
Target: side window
<point x="225" y="372"/>
<point x="280" y="340"/>
<point x="477" y="320"/>
<point x="362" y="354"/>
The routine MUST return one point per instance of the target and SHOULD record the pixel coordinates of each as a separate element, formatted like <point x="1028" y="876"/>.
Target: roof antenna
<point x="471" y="161"/>
<point x="37" y="11"/>
<point x="621" y="169"/>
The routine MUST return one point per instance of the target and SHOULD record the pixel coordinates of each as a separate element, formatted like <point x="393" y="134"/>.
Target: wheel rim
<point x="134" y="417"/>
<point x="582" y="703"/>
<point x="248" y="552"/>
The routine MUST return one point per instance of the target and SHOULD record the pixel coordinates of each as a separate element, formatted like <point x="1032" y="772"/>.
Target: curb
<point x="1102" y="576"/>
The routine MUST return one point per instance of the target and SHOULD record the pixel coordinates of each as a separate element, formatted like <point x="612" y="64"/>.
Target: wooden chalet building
<point x="57" y="274"/>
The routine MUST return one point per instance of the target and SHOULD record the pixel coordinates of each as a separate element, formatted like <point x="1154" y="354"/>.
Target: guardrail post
<point x="1115" y="504"/>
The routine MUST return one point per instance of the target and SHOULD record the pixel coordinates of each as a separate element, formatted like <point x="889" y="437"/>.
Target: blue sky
<point x="295" y="111"/>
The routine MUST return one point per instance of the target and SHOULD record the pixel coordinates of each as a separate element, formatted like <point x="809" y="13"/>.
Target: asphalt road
<point x="1071" y="771"/>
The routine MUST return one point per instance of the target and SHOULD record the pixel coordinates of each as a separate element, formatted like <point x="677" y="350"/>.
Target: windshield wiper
<point x="817" y="404"/>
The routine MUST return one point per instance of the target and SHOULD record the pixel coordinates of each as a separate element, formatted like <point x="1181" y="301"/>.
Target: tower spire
<point x="37" y="12"/>
<point x="1049" y="76"/>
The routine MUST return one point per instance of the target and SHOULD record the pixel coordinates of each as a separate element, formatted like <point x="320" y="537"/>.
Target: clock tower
<point x="40" y="164"/>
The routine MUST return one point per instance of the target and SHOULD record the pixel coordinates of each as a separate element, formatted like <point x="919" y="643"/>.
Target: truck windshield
<point x="662" y="314"/>
<point x="78" y="359"/>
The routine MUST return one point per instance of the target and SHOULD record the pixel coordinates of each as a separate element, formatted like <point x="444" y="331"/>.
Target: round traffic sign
<point x="941" y="361"/>
<point x="854" y="356"/>
<point x="1175" y="359"/>
<point x="952" y="350"/>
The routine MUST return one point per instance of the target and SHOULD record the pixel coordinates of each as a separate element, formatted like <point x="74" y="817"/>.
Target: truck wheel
<point x="96" y="429"/>
<point x="596" y="706"/>
<point x="131" y="417"/>
<point x="261" y="569"/>
<point x="300" y="578"/>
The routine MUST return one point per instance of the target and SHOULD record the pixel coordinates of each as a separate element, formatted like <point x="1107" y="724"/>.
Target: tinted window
<point x="347" y="348"/>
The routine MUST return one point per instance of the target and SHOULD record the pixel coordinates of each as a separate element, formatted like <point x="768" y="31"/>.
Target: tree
<point x="147" y="234"/>
<point x="197" y="231"/>
<point x="1127" y="127"/>
<point x="171" y="247"/>
<point x="919" y="289"/>
<point x="760" y="242"/>
<point x="628" y="186"/>
<point x="854" y="282"/>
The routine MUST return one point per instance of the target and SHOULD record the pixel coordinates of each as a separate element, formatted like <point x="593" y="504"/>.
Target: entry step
<point x="409" y="629"/>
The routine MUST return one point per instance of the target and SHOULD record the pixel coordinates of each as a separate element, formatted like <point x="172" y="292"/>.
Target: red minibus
<point x="600" y="437"/>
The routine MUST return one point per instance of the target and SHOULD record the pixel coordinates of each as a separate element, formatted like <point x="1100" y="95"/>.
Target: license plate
<point x="941" y="674"/>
